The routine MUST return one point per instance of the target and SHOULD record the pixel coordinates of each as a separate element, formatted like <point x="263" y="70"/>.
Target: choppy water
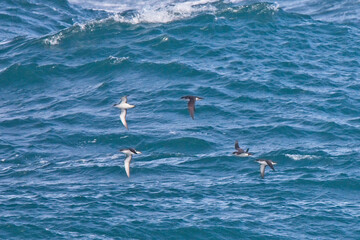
<point x="280" y="77"/>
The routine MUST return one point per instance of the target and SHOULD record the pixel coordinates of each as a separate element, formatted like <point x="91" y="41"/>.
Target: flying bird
<point x="263" y="163"/>
<point x="123" y="105"/>
<point x="128" y="152"/>
<point x="191" y="104"/>
<point x="240" y="152"/>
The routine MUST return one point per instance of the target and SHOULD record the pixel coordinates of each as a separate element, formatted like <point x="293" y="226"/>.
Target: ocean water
<point x="282" y="78"/>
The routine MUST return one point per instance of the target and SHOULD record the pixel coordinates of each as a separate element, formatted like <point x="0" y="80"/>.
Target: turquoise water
<point x="281" y="77"/>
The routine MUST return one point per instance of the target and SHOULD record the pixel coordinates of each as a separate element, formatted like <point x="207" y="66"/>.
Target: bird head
<point x="130" y="151"/>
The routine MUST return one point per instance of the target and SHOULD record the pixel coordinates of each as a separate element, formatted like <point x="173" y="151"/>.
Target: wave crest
<point x="298" y="157"/>
<point x="149" y="12"/>
<point x="166" y="13"/>
<point x="54" y="39"/>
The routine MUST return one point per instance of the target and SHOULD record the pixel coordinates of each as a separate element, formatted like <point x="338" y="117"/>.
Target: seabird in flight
<point x="263" y="163"/>
<point x="240" y="152"/>
<point x="128" y="152"/>
<point x="123" y="105"/>
<point x="191" y="104"/>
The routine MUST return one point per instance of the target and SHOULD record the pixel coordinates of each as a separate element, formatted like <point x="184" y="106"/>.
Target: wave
<point x="324" y="10"/>
<point x="54" y="39"/>
<point x="157" y="14"/>
<point x="149" y="12"/>
<point x="170" y="11"/>
<point x="298" y="157"/>
<point x="35" y="18"/>
<point x="165" y="11"/>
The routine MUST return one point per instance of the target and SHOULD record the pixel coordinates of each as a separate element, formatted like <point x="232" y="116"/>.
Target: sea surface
<point x="282" y="78"/>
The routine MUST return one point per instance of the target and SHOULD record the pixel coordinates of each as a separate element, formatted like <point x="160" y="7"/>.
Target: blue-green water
<point x="282" y="78"/>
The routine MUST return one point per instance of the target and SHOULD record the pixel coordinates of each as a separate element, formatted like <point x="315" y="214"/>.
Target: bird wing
<point x="123" y="118"/>
<point x="127" y="164"/>
<point x="191" y="106"/>
<point x="237" y="145"/>
<point x="262" y="170"/>
<point x="269" y="163"/>
<point x="238" y="148"/>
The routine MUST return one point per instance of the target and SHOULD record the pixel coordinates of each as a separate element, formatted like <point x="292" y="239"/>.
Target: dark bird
<point x="263" y="163"/>
<point x="240" y="152"/>
<point x="128" y="152"/>
<point x="191" y="104"/>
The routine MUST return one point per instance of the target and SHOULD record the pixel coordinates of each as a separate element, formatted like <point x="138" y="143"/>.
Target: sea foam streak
<point x="298" y="157"/>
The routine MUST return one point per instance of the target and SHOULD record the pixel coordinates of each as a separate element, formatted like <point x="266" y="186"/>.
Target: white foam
<point x="82" y="26"/>
<point x="272" y="7"/>
<point x="298" y="157"/>
<point x="149" y="11"/>
<point x="54" y="40"/>
<point x="275" y="6"/>
<point x="116" y="60"/>
<point x="105" y="5"/>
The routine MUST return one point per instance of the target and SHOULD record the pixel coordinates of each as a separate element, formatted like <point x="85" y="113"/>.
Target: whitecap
<point x="82" y="26"/>
<point x="298" y="157"/>
<point x="116" y="60"/>
<point x="43" y="162"/>
<point x="149" y="12"/>
<point x="54" y="40"/>
<point x="275" y="6"/>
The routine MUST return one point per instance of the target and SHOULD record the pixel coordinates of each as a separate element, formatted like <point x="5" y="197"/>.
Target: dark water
<point x="282" y="78"/>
